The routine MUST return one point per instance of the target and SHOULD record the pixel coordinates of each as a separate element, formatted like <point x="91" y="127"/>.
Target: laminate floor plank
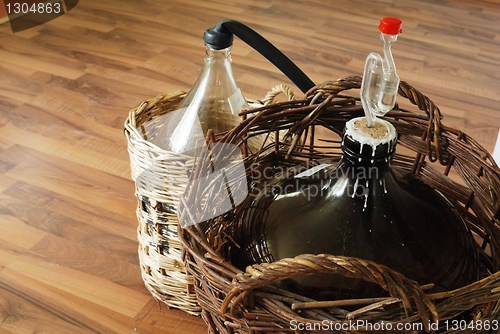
<point x="62" y="100"/>
<point x="71" y="179"/>
<point x="92" y="252"/>
<point x="16" y="85"/>
<point x="86" y="286"/>
<point x="82" y="134"/>
<point x="6" y="182"/>
<point x="68" y="234"/>
<point x="16" y="232"/>
<point x="9" y="253"/>
<point x="31" y="305"/>
<point x="93" y="42"/>
<point x="87" y="57"/>
<point x="101" y="219"/>
<point x="63" y="150"/>
<point x="14" y="60"/>
<point x="47" y="207"/>
<point x="24" y="314"/>
<point x="170" y="321"/>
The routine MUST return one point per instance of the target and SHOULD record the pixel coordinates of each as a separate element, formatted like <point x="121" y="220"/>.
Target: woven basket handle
<point x="396" y="284"/>
<point x="434" y="131"/>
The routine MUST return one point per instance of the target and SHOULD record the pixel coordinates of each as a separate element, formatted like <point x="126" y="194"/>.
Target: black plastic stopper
<point x="218" y="37"/>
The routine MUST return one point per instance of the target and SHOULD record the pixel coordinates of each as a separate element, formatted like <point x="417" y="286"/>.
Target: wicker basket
<point x="246" y="302"/>
<point x="160" y="178"/>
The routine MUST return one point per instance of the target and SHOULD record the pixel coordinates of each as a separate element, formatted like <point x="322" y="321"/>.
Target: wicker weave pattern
<point x="160" y="252"/>
<point x="160" y="177"/>
<point x="244" y="302"/>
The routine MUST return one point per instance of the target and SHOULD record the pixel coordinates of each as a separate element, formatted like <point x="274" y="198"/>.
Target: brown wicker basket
<point x="233" y="301"/>
<point x="160" y="178"/>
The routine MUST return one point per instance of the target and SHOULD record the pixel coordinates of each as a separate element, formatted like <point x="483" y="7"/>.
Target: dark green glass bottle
<point x="359" y="208"/>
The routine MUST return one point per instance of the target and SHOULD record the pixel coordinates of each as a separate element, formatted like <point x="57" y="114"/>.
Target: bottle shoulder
<point x="398" y="221"/>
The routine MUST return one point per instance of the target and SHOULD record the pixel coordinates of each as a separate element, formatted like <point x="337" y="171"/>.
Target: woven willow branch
<point x="247" y="302"/>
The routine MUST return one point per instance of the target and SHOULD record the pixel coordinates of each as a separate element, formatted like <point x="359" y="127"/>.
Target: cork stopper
<point x="370" y="145"/>
<point x="378" y="131"/>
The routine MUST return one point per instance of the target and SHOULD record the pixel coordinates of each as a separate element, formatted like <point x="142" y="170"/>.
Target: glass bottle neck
<point x="218" y="55"/>
<point x="369" y="145"/>
<point x="366" y="153"/>
<point x="212" y="104"/>
<point x="356" y="161"/>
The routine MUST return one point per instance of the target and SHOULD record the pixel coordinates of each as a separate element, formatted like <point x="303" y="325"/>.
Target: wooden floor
<point x="68" y="250"/>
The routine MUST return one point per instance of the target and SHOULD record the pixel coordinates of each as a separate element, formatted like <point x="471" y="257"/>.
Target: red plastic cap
<point x="390" y="25"/>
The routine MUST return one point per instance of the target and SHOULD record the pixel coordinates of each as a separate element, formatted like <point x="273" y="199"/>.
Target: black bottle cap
<point x="360" y="146"/>
<point x="218" y="37"/>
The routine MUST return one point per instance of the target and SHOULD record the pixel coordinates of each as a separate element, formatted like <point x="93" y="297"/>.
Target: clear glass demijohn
<point x="213" y="103"/>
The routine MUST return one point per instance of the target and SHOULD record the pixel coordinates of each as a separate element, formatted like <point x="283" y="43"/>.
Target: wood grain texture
<point x="3" y="12"/>
<point x="68" y="249"/>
